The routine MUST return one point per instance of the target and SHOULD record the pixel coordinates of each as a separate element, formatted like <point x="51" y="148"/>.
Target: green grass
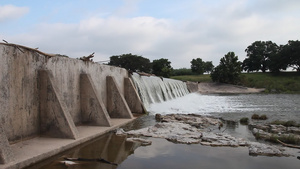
<point x="285" y="82"/>
<point x="193" y="78"/>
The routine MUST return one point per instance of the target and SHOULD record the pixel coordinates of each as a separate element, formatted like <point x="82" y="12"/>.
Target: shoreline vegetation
<point x="284" y="82"/>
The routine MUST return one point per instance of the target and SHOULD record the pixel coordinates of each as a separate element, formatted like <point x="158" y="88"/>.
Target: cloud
<point x="213" y="31"/>
<point x="11" y="12"/>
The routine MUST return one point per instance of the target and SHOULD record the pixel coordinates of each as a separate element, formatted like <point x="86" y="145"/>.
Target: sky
<point x="179" y="30"/>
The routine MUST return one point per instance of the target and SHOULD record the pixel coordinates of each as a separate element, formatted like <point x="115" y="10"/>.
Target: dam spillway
<point x="49" y="103"/>
<point x="153" y="89"/>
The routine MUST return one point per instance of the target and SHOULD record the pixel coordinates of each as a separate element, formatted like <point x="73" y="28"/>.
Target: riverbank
<point x="284" y="82"/>
<point x="210" y="88"/>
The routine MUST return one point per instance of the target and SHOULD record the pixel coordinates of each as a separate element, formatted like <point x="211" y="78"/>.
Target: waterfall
<point x="153" y="89"/>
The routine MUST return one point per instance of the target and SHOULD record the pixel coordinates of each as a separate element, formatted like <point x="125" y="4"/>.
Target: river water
<point x="165" y="154"/>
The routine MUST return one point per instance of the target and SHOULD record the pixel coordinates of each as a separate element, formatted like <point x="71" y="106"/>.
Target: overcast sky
<point x="178" y="30"/>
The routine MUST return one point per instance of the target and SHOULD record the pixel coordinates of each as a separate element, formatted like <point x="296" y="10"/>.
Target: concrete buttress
<point x="56" y="121"/>
<point x="92" y="107"/>
<point x="132" y="97"/>
<point x="116" y="103"/>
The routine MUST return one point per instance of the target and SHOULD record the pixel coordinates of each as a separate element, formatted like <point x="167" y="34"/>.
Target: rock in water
<point x="256" y="148"/>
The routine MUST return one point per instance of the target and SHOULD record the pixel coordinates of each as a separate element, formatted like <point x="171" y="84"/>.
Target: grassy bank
<point x="287" y="82"/>
<point x="193" y="78"/>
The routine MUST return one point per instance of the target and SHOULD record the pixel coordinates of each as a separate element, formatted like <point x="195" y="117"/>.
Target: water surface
<point x="165" y="154"/>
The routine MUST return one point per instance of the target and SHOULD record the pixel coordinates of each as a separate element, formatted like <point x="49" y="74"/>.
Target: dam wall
<point x="43" y="95"/>
<point x="50" y="103"/>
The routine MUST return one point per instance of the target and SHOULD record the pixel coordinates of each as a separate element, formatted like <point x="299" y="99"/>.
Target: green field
<point x="193" y="78"/>
<point x="285" y="82"/>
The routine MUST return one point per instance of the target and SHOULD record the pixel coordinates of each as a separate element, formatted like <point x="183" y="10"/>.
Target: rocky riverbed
<point x="204" y="130"/>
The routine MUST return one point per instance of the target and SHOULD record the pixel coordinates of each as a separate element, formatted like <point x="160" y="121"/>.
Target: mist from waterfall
<point x="153" y="89"/>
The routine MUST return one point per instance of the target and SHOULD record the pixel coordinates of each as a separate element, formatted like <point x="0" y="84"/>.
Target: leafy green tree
<point x="228" y="71"/>
<point x="208" y="66"/>
<point x="258" y="54"/>
<point x="197" y="66"/>
<point x="162" y="67"/>
<point x="131" y="62"/>
<point x="290" y="54"/>
<point x="278" y="62"/>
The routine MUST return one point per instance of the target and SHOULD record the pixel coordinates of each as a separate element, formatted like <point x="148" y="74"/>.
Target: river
<point x="165" y="154"/>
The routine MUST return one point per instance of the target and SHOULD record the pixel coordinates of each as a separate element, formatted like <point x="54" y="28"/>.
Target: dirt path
<point x="225" y="88"/>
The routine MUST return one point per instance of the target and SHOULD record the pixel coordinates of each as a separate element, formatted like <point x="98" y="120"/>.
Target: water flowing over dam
<point x="153" y="89"/>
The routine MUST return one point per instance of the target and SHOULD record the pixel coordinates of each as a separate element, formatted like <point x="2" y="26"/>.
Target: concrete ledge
<point x="37" y="149"/>
<point x="92" y="107"/>
<point x="192" y="86"/>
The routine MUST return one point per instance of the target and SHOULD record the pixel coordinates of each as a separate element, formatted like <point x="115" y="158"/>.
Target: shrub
<point x="255" y="117"/>
<point x="288" y="139"/>
<point x="244" y="120"/>
<point x="263" y="117"/>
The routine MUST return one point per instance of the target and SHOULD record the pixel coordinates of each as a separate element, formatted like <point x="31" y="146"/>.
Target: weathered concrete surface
<point x="116" y="103"/>
<point x="19" y="93"/>
<point x="31" y="151"/>
<point x="192" y="86"/>
<point x="225" y="88"/>
<point x="92" y="107"/>
<point x="54" y="115"/>
<point x="132" y="97"/>
<point x="43" y="94"/>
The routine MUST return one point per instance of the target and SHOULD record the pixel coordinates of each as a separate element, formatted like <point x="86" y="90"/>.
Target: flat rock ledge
<point x="195" y="129"/>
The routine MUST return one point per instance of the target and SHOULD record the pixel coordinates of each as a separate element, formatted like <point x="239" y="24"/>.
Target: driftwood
<point x="88" y="58"/>
<point x="90" y="160"/>
<point x="25" y="47"/>
<point x="288" y="145"/>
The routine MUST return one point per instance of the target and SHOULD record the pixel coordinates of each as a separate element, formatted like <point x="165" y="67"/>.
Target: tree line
<point x="136" y="63"/>
<point x="261" y="56"/>
<point x="159" y="67"/>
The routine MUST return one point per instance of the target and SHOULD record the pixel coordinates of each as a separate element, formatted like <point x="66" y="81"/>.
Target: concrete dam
<point x="50" y="103"/>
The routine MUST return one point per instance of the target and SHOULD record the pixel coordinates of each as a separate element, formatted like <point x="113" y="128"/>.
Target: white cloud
<point x="214" y="30"/>
<point x="10" y="12"/>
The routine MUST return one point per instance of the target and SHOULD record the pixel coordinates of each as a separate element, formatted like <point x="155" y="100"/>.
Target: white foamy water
<point x="278" y="106"/>
<point x="199" y="104"/>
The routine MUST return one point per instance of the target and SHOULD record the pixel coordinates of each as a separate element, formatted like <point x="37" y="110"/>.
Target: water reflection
<point x="112" y="148"/>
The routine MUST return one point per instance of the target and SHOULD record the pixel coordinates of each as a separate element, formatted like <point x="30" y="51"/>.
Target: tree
<point x="197" y="66"/>
<point x="131" y="62"/>
<point x="290" y="54"/>
<point x="228" y="71"/>
<point x="162" y="67"/>
<point x="258" y="54"/>
<point x="208" y="66"/>
<point x="278" y="62"/>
